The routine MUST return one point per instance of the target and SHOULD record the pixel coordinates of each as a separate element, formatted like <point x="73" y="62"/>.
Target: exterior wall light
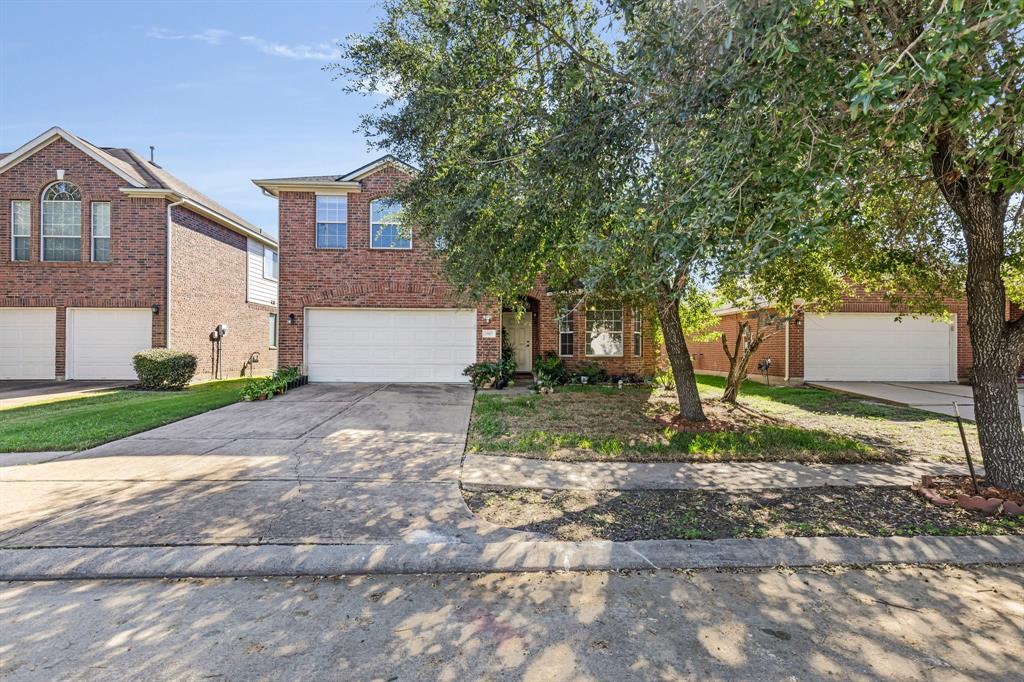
<point x="291" y="318"/>
<point x="155" y="308"/>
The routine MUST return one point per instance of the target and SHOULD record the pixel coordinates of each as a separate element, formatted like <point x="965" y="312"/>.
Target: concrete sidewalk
<point x="17" y="393"/>
<point x="193" y="561"/>
<point x="495" y="472"/>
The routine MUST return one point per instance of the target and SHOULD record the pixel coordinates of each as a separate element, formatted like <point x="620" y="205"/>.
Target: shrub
<point x="665" y="379"/>
<point x="258" y="387"/>
<point x="482" y="374"/>
<point x="595" y="373"/>
<point x="164" y="368"/>
<point x="551" y="370"/>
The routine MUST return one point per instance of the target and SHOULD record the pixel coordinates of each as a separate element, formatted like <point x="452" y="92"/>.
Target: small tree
<point x="753" y="330"/>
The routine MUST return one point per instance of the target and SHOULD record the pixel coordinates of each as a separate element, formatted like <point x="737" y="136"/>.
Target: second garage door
<point x="102" y="341"/>
<point x="422" y="345"/>
<point x="876" y="347"/>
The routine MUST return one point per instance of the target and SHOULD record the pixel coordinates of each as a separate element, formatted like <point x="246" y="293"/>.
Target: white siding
<point x="260" y="289"/>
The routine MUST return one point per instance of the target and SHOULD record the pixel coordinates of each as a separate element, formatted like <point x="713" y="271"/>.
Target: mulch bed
<point x="700" y="514"/>
<point x="946" y="491"/>
<point x="720" y="417"/>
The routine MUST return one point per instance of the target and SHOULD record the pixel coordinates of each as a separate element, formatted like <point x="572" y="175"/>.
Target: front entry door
<point x="520" y="336"/>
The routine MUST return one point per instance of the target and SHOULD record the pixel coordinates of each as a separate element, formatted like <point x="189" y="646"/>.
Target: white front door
<point x="102" y="341"/>
<point x="520" y="336"/>
<point x="28" y="343"/>
<point x="877" y="347"/>
<point x="399" y="345"/>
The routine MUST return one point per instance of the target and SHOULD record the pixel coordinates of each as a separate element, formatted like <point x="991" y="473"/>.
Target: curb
<point x="224" y="561"/>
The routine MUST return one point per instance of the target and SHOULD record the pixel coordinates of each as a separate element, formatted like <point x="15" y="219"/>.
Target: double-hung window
<point x="604" y="332"/>
<point x="272" y="328"/>
<point x="386" y="230"/>
<point x="271" y="264"/>
<point x="638" y="332"/>
<point x="566" y="333"/>
<point x="62" y="222"/>
<point x="21" y="229"/>
<point x="100" y="222"/>
<point x="331" y="222"/>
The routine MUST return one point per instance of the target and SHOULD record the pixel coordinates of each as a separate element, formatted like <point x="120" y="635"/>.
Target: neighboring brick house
<point x="363" y="299"/>
<point x="90" y="273"/>
<point x="862" y="340"/>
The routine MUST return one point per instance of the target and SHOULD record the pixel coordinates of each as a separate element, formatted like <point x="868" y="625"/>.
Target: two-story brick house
<point x="363" y="299"/>
<point x="104" y="253"/>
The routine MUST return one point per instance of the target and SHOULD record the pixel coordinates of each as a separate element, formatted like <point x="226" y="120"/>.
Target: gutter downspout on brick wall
<point x="786" y="377"/>
<point x="167" y="307"/>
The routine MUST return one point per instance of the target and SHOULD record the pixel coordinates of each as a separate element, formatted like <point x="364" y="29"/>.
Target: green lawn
<point x="80" y="423"/>
<point x="780" y="423"/>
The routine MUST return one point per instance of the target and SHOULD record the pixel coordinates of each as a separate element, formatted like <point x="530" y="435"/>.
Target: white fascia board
<point x="186" y="202"/>
<point x="275" y="187"/>
<point x="31" y="147"/>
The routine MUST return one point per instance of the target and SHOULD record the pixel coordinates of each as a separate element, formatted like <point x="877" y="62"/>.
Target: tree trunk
<point x="738" y="365"/>
<point x="679" y="356"/>
<point x="998" y="346"/>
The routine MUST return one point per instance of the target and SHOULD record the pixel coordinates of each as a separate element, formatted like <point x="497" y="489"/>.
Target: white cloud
<point x="211" y="36"/>
<point x="320" y="51"/>
<point x="216" y="36"/>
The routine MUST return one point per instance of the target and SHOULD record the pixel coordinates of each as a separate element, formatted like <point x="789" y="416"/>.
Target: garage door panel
<point x="102" y="341"/>
<point x="389" y="344"/>
<point x="28" y="343"/>
<point x="876" y="347"/>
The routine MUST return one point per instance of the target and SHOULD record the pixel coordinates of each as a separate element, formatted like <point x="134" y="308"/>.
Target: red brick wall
<point x="208" y="287"/>
<point x="708" y="356"/>
<point x="546" y="338"/>
<point x="134" y="277"/>
<point x="360" y="276"/>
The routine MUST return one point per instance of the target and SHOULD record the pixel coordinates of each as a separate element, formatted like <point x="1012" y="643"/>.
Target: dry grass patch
<point x="708" y="515"/>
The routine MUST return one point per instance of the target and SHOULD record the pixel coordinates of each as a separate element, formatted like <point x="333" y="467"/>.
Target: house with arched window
<point x="103" y="253"/>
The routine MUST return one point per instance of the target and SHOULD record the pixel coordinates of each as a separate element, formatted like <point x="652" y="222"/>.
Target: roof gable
<point x="107" y="160"/>
<point x="374" y="166"/>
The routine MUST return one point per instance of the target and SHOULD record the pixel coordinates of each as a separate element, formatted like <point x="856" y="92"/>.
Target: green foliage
<point x="265" y="387"/>
<point x="664" y="379"/>
<point x="164" y="369"/>
<point x="550" y="370"/>
<point x="594" y="373"/>
<point x="486" y="374"/>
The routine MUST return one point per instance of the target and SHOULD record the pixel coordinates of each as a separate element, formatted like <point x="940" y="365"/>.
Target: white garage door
<point x="875" y="347"/>
<point x="389" y="345"/>
<point x="102" y="341"/>
<point x="28" y="343"/>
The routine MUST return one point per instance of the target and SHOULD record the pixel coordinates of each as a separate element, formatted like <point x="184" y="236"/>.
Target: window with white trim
<point x="638" y="332"/>
<point x="331" y="222"/>
<point x="272" y="324"/>
<point x="386" y="230"/>
<point x="21" y="229"/>
<point x="62" y="222"/>
<point x="271" y="264"/>
<point x="566" y="333"/>
<point x="604" y="332"/>
<point x="99" y="215"/>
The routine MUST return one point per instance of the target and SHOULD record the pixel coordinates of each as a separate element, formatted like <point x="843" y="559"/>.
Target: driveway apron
<point x="325" y="463"/>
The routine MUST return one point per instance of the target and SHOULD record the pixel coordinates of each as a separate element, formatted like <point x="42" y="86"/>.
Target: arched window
<point x="62" y="222"/>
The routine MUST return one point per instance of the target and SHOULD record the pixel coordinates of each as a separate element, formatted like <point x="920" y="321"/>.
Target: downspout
<point x="167" y="307"/>
<point x="786" y="377"/>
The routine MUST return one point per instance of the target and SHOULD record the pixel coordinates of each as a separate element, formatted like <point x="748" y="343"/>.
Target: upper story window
<point x="21" y="229"/>
<point x="271" y="264"/>
<point x="100" y="216"/>
<point x="604" y="332"/>
<point x="331" y="222"/>
<point x="62" y="222"/>
<point x="386" y="231"/>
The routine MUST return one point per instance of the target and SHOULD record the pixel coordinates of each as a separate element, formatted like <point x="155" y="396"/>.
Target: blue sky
<point x="226" y="91"/>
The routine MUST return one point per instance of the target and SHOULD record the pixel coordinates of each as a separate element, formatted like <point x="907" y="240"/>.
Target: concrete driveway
<point x="931" y="397"/>
<point x="15" y="393"/>
<point x="326" y="463"/>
